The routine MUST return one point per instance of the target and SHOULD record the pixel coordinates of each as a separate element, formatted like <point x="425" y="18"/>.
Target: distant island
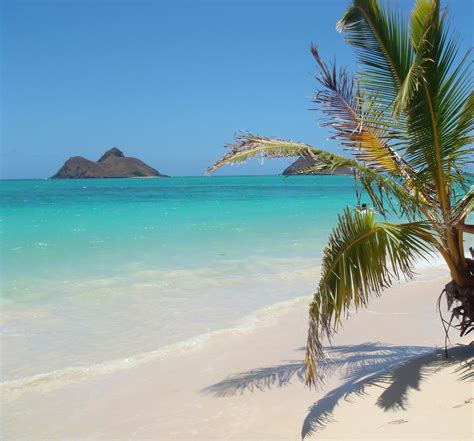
<point x="305" y="162"/>
<point x="112" y="164"/>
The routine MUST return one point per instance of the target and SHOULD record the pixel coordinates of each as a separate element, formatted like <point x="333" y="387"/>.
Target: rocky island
<point x="305" y="162"/>
<point x="112" y="164"/>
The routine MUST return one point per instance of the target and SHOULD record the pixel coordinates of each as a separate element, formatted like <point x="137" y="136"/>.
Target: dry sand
<point x="385" y="379"/>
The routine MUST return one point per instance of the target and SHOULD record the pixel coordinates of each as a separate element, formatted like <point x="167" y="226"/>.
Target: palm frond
<point x="409" y="86"/>
<point x="347" y="111"/>
<point x="465" y="123"/>
<point x="463" y="208"/>
<point x="385" y="193"/>
<point x="418" y="76"/>
<point x="351" y="116"/>
<point x="382" y="44"/>
<point x="437" y="132"/>
<point x="420" y="13"/>
<point x="250" y="146"/>
<point x="362" y="258"/>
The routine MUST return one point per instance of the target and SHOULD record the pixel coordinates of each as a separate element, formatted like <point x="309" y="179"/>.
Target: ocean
<point x="101" y="274"/>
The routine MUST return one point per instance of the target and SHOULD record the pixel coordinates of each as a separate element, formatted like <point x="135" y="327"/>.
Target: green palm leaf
<point x="362" y="258"/>
<point x="252" y="146"/>
<point x="382" y="43"/>
<point x="463" y="208"/>
<point x="383" y="191"/>
<point x="437" y="131"/>
<point x="348" y="113"/>
<point x="351" y="116"/>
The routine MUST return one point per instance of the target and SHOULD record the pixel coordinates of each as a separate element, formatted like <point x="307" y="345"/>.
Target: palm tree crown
<point x="406" y="119"/>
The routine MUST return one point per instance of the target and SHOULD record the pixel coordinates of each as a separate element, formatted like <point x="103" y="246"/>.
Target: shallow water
<point x="100" y="271"/>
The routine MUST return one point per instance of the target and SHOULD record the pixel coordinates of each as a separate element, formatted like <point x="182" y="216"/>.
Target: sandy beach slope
<point x="385" y="379"/>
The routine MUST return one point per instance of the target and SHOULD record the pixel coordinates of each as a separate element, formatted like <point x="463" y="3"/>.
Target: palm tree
<point x="406" y="119"/>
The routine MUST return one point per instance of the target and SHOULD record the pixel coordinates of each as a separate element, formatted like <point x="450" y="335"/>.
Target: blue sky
<point x="168" y="81"/>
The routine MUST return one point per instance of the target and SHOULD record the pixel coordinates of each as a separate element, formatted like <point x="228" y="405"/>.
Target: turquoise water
<point x="100" y="270"/>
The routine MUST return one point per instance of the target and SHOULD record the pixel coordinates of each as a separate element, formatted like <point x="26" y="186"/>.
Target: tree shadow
<point x="396" y="378"/>
<point x="396" y="369"/>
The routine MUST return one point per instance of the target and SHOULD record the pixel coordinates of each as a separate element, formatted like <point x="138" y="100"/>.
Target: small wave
<point x="41" y="244"/>
<point x="435" y="261"/>
<point x="62" y="377"/>
<point x="263" y="317"/>
<point x="269" y="315"/>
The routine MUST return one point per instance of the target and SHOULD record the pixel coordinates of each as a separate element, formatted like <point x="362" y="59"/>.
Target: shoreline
<point x="248" y="386"/>
<point x="262" y="317"/>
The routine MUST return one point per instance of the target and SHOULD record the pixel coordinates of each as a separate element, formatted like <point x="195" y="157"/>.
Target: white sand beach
<point x="386" y="378"/>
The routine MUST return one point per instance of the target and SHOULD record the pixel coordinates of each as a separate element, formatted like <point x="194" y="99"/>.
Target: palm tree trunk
<point x="460" y="291"/>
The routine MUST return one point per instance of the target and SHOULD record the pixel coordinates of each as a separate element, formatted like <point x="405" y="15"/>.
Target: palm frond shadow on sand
<point x="396" y="369"/>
